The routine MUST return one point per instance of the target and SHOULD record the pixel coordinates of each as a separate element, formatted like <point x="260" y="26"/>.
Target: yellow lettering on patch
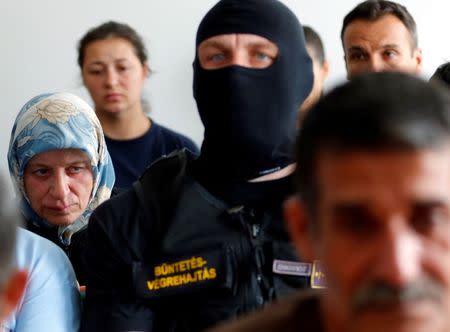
<point x="201" y="261"/>
<point x="195" y="269"/>
<point x="180" y="266"/>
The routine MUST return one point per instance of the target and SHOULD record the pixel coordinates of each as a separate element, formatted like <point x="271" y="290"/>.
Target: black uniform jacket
<point x="185" y="267"/>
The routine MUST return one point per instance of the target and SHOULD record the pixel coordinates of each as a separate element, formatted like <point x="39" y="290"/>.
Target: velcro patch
<point x="318" y="276"/>
<point x="291" y="268"/>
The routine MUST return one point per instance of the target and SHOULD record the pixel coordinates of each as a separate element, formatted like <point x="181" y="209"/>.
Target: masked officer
<point x="200" y="241"/>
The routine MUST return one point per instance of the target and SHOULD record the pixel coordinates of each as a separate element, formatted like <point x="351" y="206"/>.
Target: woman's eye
<point x="75" y="169"/>
<point x="94" y="71"/>
<point x="40" y="172"/>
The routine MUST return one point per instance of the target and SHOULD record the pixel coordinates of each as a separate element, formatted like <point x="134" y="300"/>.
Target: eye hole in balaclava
<point x="246" y="50"/>
<point x="249" y="114"/>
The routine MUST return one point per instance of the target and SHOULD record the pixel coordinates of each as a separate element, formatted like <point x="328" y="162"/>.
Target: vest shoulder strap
<point x="158" y="187"/>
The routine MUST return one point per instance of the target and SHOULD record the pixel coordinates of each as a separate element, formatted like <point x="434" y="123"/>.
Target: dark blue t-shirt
<point x="131" y="157"/>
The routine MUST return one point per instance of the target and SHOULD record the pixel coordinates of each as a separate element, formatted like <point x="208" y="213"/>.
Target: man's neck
<point x="282" y="173"/>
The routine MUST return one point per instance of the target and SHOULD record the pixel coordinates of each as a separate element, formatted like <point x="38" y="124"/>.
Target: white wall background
<point x="39" y="38"/>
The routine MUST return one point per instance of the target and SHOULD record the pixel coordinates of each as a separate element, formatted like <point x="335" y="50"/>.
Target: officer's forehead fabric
<point x="267" y="18"/>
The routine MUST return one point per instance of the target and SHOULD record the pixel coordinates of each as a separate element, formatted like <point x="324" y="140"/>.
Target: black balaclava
<point x="250" y="114"/>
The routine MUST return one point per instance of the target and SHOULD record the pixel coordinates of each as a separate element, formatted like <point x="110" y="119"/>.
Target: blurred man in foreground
<point x="374" y="207"/>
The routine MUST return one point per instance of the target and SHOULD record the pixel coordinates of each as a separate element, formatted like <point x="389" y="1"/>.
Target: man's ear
<point x="147" y="69"/>
<point x="325" y="69"/>
<point x="299" y="225"/>
<point x="419" y="60"/>
<point x="346" y="66"/>
<point x="12" y="293"/>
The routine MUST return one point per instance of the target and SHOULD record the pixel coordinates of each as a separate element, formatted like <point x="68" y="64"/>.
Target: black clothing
<point x="235" y="245"/>
<point x="250" y="114"/>
<point x="131" y="157"/>
<point x="300" y="312"/>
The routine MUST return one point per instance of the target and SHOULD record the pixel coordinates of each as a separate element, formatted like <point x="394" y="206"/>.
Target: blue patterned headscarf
<point x="59" y="121"/>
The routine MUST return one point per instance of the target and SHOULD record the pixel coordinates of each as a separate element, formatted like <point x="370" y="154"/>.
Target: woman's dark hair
<point x="112" y="29"/>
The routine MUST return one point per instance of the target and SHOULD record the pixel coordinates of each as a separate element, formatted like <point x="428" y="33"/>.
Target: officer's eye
<point x="262" y="56"/>
<point x="217" y="57"/>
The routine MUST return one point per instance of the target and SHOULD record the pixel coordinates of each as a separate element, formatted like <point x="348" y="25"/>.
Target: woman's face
<point x="59" y="184"/>
<point x="114" y="75"/>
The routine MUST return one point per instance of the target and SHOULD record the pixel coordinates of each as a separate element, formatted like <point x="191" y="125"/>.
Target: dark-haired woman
<point x="114" y="65"/>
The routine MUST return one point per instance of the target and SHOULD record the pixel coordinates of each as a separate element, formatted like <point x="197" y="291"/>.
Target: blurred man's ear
<point x="346" y="66"/>
<point x="325" y="69"/>
<point x="147" y="70"/>
<point x="298" y="225"/>
<point x="12" y="293"/>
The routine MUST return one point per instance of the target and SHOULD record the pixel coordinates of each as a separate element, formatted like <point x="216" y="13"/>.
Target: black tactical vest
<point x="214" y="261"/>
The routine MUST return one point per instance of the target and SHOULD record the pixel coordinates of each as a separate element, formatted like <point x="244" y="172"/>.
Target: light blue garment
<point x="51" y="301"/>
<point x="59" y="121"/>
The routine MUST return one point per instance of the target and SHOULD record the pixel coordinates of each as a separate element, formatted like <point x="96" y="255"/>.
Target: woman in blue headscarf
<point x="61" y="169"/>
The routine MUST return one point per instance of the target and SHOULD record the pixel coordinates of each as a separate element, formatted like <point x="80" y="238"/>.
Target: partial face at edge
<point x="320" y="72"/>
<point x="58" y="184"/>
<point x="381" y="45"/>
<point x="384" y="218"/>
<point x="246" y="50"/>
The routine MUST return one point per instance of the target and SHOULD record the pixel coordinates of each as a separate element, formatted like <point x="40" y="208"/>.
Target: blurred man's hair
<point x="313" y="40"/>
<point x="378" y="111"/>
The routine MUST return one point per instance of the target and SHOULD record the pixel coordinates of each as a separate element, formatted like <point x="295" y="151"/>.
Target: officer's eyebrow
<point x="214" y="43"/>
<point x="260" y="44"/>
